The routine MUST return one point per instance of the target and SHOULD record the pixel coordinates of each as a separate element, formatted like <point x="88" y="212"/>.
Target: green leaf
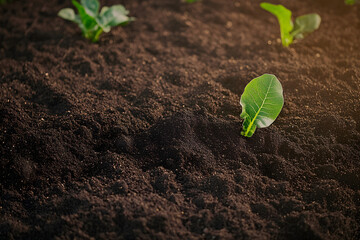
<point x="103" y="10"/>
<point x="87" y="21"/>
<point x="305" y="24"/>
<point x="113" y="16"/>
<point x="87" y="24"/>
<point x="91" y="22"/>
<point x="80" y="8"/>
<point x="350" y="2"/>
<point x="284" y="17"/>
<point x="68" y="14"/>
<point x="91" y="7"/>
<point x="261" y="103"/>
<point x="99" y="19"/>
<point x="120" y="9"/>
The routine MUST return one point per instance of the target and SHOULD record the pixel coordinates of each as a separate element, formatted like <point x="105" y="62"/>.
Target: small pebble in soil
<point x="120" y="187"/>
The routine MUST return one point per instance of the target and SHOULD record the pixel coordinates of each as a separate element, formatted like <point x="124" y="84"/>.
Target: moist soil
<point x="138" y="136"/>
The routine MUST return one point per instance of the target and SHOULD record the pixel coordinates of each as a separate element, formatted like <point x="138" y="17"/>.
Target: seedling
<point x="351" y="2"/>
<point x="261" y="103"/>
<point x="93" y="22"/>
<point x="289" y="31"/>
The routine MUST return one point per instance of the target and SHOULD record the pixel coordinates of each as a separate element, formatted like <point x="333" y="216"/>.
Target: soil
<point x="138" y="136"/>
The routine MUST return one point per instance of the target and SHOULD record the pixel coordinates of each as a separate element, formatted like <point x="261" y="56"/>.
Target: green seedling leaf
<point x="91" y="22"/>
<point x="305" y="24"/>
<point x="351" y="2"/>
<point x="284" y="17"/>
<point x="91" y="7"/>
<point x="88" y="23"/>
<point x="103" y="10"/>
<point x="68" y="14"/>
<point x="114" y="16"/>
<point x="261" y="103"/>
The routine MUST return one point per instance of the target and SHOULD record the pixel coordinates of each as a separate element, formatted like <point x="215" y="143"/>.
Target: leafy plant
<point x="261" y="103"/>
<point x="191" y="1"/>
<point x="94" y="22"/>
<point x="289" y="31"/>
<point x="351" y="2"/>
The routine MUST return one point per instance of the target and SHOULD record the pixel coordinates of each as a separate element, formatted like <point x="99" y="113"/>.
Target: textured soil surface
<point x="138" y="136"/>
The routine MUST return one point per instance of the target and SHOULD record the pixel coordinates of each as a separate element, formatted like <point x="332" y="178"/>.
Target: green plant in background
<point x="261" y="103"/>
<point x="289" y="31"/>
<point x="351" y="2"/>
<point x="94" y="22"/>
<point x="191" y="1"/>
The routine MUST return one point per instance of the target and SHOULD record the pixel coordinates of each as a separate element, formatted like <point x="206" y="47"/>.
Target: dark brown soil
<point x="138" y="136"/>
